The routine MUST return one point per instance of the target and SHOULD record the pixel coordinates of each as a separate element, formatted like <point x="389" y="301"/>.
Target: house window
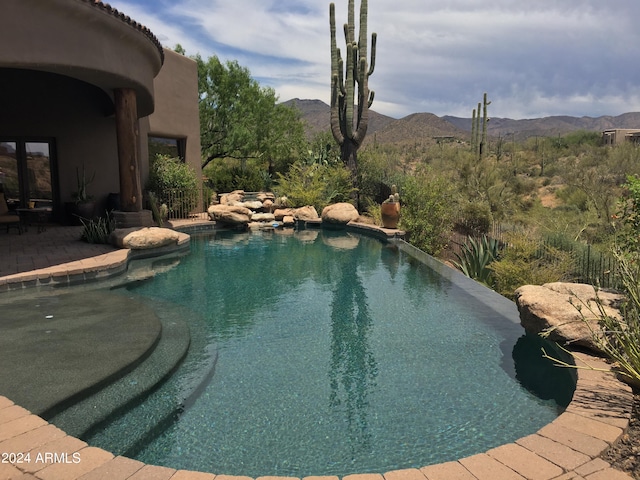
<point x="174" y="147"/>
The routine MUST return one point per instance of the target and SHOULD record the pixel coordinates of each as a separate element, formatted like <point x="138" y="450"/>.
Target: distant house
<point x="617" y="136"/>
<point x="84" y="86"/>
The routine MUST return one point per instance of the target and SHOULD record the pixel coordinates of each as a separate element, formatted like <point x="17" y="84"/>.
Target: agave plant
<point x="476" y="256"/>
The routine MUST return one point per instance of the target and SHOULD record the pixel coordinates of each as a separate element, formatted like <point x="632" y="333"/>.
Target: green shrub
<point x="476" y="219"/>
<point x="525" y="262"/>
<point x="427" y="210"/>
<point x="575" y="197"/>
<point x="174" y="183"/>
<point x="230" y="175"/>
<point x="315" y="184"/>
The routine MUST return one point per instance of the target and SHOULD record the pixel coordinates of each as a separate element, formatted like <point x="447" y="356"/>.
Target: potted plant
<point x="390" y="209"/>
<point x="83" y="205"/>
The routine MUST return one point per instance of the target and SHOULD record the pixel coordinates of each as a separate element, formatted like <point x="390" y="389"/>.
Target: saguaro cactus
<point x="478" y="136"/>
<point x="350" y="82"/>
<point x="485" y="120"/>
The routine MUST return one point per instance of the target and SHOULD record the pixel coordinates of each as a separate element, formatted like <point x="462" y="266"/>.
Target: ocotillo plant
<point x="350" y="83"/>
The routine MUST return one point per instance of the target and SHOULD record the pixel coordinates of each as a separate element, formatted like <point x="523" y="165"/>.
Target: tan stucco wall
<point x="176" y="114"/>
<point x="77" y="39"/>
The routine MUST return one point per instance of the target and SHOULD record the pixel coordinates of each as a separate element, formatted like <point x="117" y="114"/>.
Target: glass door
<point x="27" y="173"/>
<point x="9" y="174"/>
<point x="38" y="183"/>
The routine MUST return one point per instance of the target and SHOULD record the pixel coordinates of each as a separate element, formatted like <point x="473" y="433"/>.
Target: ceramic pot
<point x="390" y="214"/>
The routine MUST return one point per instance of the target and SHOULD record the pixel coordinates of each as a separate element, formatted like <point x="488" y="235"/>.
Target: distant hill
<point x="550" y="126"/>
<point x="317" y="116"/>
<point x="427" y="127"/>
<point x="417" y="128"/>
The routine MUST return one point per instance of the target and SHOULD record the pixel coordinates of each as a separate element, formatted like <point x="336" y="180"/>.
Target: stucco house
<point x="616" y="136"/>
<point x="84" y="87"/>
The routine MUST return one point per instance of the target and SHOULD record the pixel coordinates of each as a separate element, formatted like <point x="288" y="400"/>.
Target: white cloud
<point x="534" y="58"/>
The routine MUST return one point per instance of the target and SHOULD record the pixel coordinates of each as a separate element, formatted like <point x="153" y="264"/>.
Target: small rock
<point x="263" y="217"/>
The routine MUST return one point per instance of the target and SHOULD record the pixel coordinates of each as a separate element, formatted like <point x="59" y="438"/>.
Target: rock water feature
<point x="264" y="209"/>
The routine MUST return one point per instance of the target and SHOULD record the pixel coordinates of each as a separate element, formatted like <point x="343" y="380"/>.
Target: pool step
<point x="127" y="432"/>
<point x="163" y="360"/>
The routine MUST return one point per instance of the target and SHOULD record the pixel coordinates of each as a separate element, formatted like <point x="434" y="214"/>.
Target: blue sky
<point x="534" y="58"/>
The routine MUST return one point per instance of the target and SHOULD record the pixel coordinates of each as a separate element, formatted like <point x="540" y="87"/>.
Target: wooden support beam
<point x="127" y="132"/>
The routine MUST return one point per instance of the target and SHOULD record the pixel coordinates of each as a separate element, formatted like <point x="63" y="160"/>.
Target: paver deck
<point x="566" y="449"/>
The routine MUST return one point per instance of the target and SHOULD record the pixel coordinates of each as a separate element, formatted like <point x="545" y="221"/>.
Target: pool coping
<point x="567" y="448"/>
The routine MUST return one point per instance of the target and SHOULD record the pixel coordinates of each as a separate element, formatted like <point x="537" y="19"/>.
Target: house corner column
<point x="127" y="133"/>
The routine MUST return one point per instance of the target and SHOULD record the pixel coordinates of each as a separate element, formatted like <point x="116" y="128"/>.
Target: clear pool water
<point x="325" y="353"/>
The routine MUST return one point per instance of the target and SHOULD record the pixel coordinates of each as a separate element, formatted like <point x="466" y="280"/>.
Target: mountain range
<point x="427" y="127"/>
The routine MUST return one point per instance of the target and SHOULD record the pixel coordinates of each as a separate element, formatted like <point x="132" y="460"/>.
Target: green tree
<point x="239" y="119"/>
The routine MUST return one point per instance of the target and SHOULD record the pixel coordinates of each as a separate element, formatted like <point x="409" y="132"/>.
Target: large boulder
<point x="232" y="197"/>
<point x="568" y="311"/>
<point x="143" y="238"/>
<point x="229" y="214"/>
<point x="306" y="213"/>
<point x="280" y="213"/>
<point x="340" y="213"/>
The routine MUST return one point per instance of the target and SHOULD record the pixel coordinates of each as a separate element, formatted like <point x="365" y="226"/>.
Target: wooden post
<point x="127" y="133"/>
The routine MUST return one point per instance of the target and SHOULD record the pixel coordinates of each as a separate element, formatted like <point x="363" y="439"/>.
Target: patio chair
<point x="10" y="219"/>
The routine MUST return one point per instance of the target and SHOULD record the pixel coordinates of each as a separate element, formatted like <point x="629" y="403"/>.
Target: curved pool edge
<point x="90" y="269"/>
<point x="570" y="445"/>
<point x="567" y="447"/>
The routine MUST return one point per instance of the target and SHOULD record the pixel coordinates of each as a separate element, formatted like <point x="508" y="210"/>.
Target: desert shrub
<point x="522" y="185"/>
<point x="427" y="210"/>
<point x="377" y="171"/>
<point x="315" y="184"/>
<point x="575" y="197"/>
<point x="524" y="261"/>
<point x="476" y="219"/>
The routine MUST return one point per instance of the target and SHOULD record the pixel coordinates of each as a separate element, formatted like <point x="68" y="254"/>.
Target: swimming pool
<point x="325" y="353"/>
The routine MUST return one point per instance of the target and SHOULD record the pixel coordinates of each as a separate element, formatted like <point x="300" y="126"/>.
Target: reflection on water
<point x="353" y="367"/>
<point x="540" y="376"/>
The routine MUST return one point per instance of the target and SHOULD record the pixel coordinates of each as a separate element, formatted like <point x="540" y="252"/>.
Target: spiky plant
<point x="476" y="256"/>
